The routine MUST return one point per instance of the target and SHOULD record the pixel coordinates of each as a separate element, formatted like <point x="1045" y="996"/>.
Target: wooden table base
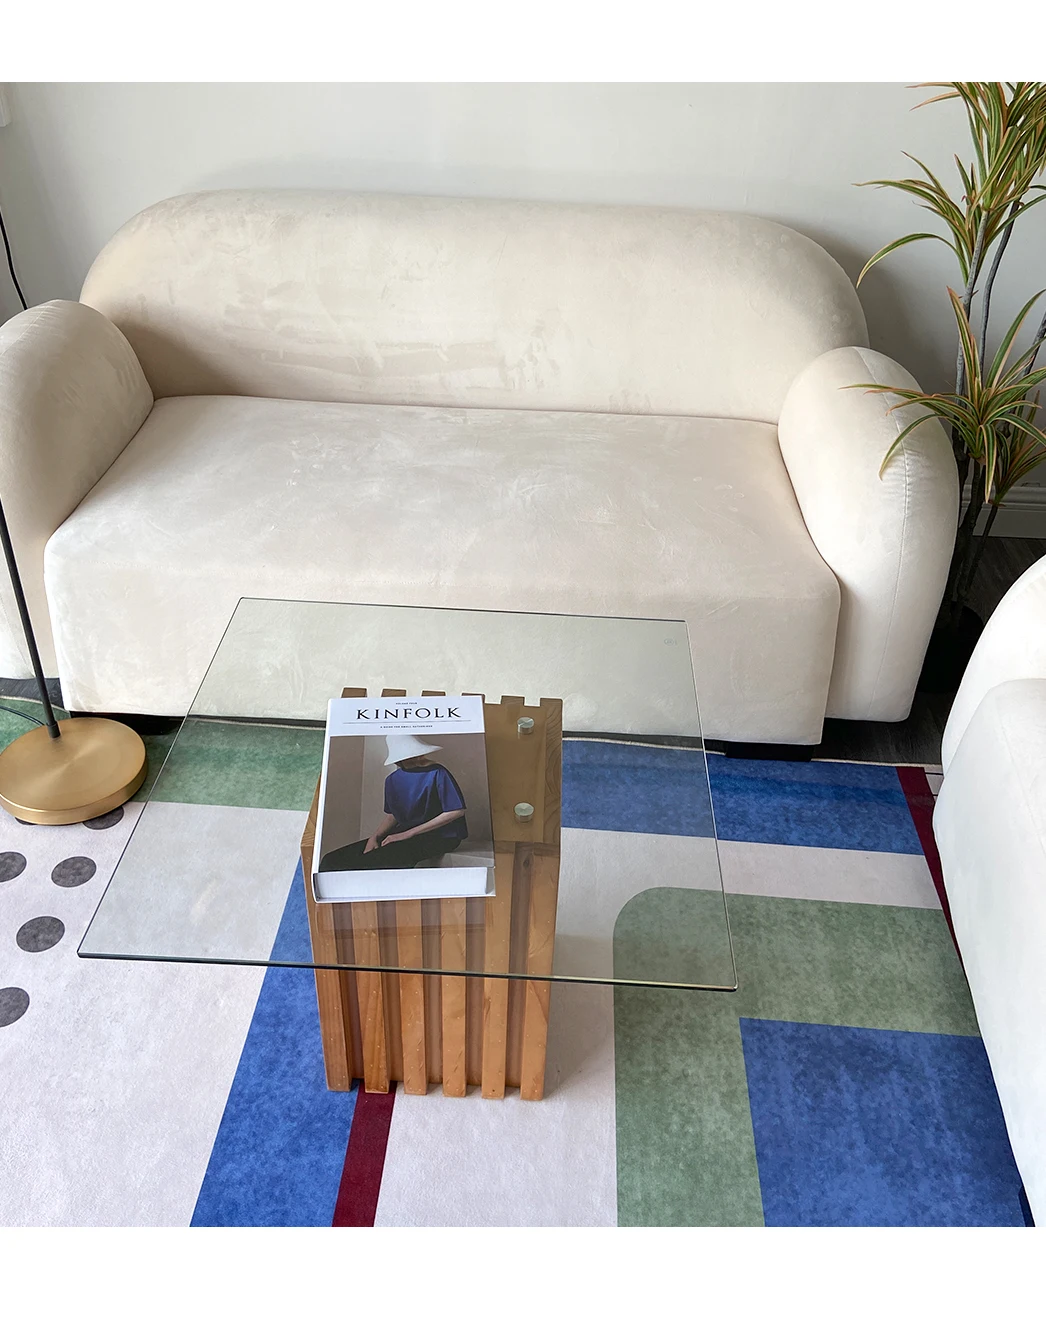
<point x="458" y="1030"/>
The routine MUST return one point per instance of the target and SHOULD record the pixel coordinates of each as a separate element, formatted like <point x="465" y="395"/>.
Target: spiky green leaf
<point x="896" y="245"/>
<point x="1009" y="338"/>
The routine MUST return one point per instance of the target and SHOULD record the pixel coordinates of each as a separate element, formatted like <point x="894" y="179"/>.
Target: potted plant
<point x="991" y="414"/>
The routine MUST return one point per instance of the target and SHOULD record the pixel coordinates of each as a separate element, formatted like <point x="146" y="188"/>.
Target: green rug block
<point x="12" y="726"/>
<point x="248" y="765"/>
<point x="685" y="1148"/>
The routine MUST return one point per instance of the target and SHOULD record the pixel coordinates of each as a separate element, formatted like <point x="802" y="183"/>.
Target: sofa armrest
<point x="990" y="826"/>
<point x="72" y="395"/>
<point x="1012" y="647"/>
<point x="888" y="539"/>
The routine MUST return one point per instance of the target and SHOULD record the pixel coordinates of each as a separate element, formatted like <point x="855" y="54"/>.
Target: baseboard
<point x="1023" y="513"/>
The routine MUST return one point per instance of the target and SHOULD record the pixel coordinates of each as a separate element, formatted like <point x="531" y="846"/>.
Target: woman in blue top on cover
<point x="424" y="813"/>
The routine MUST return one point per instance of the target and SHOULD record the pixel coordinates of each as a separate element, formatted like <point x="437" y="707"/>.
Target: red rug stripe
<point x="920" y="805"/>
<point x="364" y="1159"/>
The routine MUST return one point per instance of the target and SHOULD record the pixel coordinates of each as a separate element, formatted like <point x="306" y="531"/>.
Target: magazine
<point x="404" y="807"/>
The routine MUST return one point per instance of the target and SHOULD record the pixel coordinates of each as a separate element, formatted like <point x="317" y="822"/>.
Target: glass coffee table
<point x="211" y="872"/>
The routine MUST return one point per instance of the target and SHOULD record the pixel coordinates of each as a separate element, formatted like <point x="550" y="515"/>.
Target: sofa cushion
<point x="223" y="497"/>
<point x="990" y="825"/>
<point x="343" y="297"/>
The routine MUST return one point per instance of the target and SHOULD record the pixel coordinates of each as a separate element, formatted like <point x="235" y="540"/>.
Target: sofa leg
<point x="786" y="753"/>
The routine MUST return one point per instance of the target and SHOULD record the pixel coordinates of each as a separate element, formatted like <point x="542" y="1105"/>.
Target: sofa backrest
<point x="331" y="296"/>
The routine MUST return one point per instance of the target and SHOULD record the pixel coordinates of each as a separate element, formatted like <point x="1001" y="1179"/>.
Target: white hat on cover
<point x="402" y="747"/>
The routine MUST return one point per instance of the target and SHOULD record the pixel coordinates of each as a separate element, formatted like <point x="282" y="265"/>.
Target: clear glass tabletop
<point x="212" y="872"/>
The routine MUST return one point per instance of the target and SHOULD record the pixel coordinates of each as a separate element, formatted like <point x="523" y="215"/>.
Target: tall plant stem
<point x="1040" y="333"/>
<point x="975" y="563"/>
<point x="962" y="460"/>
<point x="964" y="549"/>
<point x="986" y="301"/>
<point x="976" y="260"/>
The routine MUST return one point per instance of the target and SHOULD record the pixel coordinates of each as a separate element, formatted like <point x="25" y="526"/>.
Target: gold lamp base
<point x="94" y="765"/>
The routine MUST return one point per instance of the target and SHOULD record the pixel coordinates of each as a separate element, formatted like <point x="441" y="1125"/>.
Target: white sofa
<point x="990" y="826"/>
<point x="471" y="403"/>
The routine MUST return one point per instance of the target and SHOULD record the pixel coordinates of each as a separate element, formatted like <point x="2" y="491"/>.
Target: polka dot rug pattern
<point x="38" y="865"/>
<point x="12" y="863"/>
<point x="114" y="1074"/>
<point x="39" y="934"/>
<point x="73" y="871"/>
<point x="109" y="820"/>
<point x="13" y="1003"/>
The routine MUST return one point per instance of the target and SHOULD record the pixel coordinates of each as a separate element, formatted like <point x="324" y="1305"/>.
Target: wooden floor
<point x="917" y="740"/>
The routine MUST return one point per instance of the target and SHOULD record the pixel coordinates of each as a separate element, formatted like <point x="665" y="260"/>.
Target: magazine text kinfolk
<point x="404" y="804"/>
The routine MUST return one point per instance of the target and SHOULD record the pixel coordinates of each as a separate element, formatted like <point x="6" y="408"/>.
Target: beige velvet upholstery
<point x="222" y="497"/>
<point x="477" y="403"/>
<point x="1012" y="647"/>
<point x="471" y="302"/>
<point x="71" y="395"/>
<point x="888" y="539"/>
<point x="990" y="826"/>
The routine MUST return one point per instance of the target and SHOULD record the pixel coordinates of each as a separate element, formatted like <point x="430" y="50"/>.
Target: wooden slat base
<point x="418" y="1030"/>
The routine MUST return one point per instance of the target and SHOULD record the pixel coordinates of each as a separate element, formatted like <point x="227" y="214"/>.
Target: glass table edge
<point x="618" y="982"/>
<point x="453" y="610"/>
<point x="315" y="723"/>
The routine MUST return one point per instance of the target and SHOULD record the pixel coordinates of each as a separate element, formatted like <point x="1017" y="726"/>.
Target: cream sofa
<point x="472" y="403"/>
<point x="990" y="825"/>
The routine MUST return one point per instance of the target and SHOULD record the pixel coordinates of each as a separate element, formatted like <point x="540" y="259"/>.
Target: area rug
<point x="844" y="1083"/>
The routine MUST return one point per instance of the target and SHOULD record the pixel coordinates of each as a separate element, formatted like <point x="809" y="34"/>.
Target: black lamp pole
<point x="27" y="625"/>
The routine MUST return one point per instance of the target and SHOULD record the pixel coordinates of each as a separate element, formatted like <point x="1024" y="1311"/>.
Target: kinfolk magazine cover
<point x="404" y="808"/>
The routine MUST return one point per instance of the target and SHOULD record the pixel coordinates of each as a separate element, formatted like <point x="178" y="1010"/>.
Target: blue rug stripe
<point x="648" y="789"/>
<point x="280" y="1148"/>
<point x="635" y="788"/>
<point x="860" y="1127"/>
<point x="848" y="806"/>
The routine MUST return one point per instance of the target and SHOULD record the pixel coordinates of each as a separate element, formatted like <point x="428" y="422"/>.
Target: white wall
<point x="79" y="159"/>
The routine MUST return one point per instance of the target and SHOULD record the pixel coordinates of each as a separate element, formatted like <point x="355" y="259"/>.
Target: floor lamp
<point x="68" y="771"/>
